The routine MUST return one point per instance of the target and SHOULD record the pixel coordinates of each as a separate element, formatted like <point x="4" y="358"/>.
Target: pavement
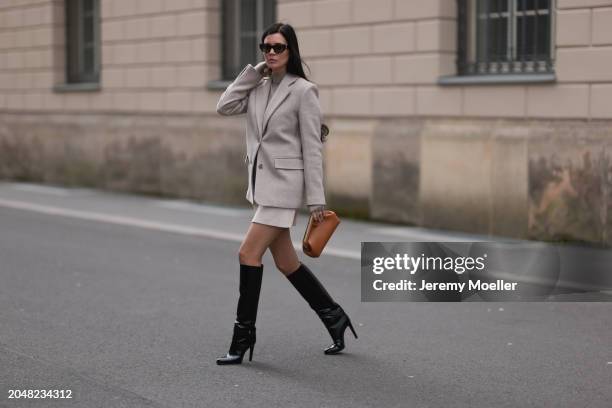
<point x="127" y="301"/>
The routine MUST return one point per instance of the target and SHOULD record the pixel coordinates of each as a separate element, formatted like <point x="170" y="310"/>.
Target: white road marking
<point x="199" y="208"/>
<point x="35" y="188"/>
<point x="51" y="190"/>
<point x="421" y="235"/>
<point x="341" y="253"/>
<point x="154" y="225"/>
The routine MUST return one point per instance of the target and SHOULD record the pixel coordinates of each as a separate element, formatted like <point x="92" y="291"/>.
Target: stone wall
<point x="183" y="156"/>
<point x="549" y="180"/>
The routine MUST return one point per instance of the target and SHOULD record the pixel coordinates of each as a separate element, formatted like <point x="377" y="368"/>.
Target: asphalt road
<point x="127" y="301"/>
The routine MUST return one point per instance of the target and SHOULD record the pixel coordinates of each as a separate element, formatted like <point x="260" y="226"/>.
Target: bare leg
<point x="255" y="243"/>
<point x="284" y="254"/>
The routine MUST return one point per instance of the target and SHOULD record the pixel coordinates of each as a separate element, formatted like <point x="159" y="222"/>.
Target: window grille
<point x="505" y="37"/>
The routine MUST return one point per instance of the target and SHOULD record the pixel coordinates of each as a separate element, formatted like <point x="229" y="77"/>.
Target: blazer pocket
<point x="289" y="163"/>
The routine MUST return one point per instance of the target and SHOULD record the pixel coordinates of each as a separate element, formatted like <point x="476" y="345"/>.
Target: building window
<point x="243" y="23"/>
<point x="82" y="41"/>
<point x="505" y="37"/>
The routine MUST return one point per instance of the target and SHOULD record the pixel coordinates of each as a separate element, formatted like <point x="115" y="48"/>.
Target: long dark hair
<point x="294" y="65"/>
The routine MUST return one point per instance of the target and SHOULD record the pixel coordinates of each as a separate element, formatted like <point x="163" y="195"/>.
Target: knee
<point x="247" y="257"/>
<point x="286" y="267"/>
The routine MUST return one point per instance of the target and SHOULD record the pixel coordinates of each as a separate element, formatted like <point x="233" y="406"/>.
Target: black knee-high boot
<point x="331" y="314"/>
<point x="246" y="314"/>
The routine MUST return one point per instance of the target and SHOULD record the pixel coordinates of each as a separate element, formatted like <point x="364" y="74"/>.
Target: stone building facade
<point x="413" y="138"/>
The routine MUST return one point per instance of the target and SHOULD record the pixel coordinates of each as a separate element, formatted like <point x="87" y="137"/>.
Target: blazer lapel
<point x="260" y="104"/>
<point x="281" y="93"/>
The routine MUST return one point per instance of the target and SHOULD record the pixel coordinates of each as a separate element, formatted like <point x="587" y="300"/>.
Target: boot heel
<point x="353" y="330"/>
<point x="251" y="352"/>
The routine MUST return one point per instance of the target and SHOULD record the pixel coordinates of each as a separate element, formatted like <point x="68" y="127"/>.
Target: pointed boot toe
<point x="243" y="339"/>
<point x="336" y="321"/>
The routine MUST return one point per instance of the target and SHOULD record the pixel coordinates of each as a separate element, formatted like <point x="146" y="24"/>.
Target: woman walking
<point x="284" y="157"/>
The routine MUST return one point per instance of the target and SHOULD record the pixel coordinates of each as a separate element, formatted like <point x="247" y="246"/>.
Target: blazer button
<point x="260" y="166"/>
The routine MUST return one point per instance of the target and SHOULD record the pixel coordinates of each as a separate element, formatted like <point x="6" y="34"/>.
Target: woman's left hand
<point x="317" y="212"/>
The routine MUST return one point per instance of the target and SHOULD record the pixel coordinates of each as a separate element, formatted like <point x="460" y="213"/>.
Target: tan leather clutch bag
<point x="317" y="234"/>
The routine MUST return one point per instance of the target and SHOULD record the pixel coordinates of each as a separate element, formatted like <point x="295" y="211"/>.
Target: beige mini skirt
<point x="275" y="216"/>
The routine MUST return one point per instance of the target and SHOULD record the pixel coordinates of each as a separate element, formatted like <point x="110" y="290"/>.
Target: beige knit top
<point x="276" y="78"/>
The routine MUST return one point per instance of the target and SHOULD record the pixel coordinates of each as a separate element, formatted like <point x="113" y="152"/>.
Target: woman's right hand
<point x="262" y="68"/>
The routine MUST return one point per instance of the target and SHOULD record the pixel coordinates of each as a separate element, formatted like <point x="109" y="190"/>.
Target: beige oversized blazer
<point x="286" y="137"/>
